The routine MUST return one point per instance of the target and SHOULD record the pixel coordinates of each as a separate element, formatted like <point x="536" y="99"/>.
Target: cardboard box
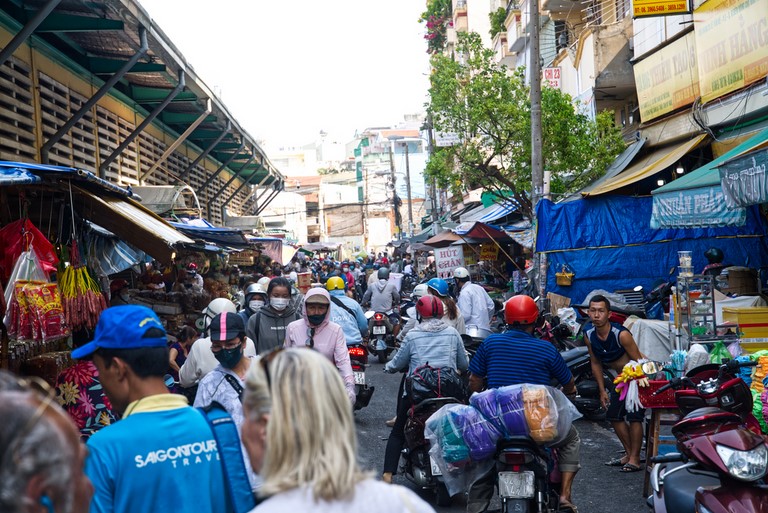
<point x="742" y="281"/>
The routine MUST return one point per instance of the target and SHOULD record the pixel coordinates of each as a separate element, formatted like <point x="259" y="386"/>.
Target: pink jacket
<point x="328" y="339"/>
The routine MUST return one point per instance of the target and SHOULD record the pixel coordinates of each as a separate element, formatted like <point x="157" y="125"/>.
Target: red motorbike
<point x="723" y="458"/>
<point x="358" y="357"/>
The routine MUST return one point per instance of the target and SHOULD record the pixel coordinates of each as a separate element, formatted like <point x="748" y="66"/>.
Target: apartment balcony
<point x="460" y="21"/>
<point x="517" y="33"/>
<point x="608" y="47"/>
<point x="501" y="50"/>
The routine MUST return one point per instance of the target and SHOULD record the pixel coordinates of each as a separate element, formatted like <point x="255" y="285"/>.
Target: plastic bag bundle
<point x="734" y="348"/>
<point x="678" y="361"/>
<point x="504" y="408"/>
<point x="763" y="407"/>
<point x="428" y="382"/>
<point x="745" y="373"/>
<point x="760" y="371"/>
<point x="719" y="353"/>
<point x="540" y="413"/>
<point x="757" y="410"/>
<point x="697" y="356"/>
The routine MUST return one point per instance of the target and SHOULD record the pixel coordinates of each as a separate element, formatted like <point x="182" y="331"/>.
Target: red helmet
<point x="192" y="266"/>
<point x="429" y="306"/>
<point x="521" y="309"/>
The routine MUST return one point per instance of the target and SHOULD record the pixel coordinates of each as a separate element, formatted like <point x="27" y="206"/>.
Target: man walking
<point x="162" y="455"/>
<point x="611" y="346"/>
<point x="474" y="303"/>
<point x="517" y="357"/>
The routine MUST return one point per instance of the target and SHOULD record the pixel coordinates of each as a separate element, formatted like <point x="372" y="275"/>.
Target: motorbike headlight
<point x="745" y="465"/>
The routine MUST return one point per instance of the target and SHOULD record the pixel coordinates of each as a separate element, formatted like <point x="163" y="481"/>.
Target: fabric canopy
<point x="480" y="231"/>
<point x="223" y="237"/>
<point x="442" y="239"/>
<point x="648" y="166"/>
<point x="618" y="165"/>
<point x="491" y="213"/>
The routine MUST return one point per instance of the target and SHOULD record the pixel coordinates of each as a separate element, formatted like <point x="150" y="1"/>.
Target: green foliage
<point x="328" y="171"/>
<point x="497" y="17"/>
<point x="438" y="17"/>
<point x="488" y="107"/>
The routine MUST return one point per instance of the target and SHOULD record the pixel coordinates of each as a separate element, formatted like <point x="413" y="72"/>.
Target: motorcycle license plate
<point x="433" y="467"/>
<point x="516" y="485"/>
<point x="379" y="330"/>
<point x="359" y="378"/>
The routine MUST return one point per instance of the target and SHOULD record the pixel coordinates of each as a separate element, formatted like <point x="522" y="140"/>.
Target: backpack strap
<point x="239" y="495"/>
<point x="338" y="302"/>
<point x="235" y="384"/>
<point x="256" y="331"/>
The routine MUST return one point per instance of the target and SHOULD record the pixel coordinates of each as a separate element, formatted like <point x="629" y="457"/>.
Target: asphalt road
<point x="597" y="489"/>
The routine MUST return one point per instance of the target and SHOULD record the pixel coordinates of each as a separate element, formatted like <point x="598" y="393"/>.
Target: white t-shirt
<point x="371" y="496"/>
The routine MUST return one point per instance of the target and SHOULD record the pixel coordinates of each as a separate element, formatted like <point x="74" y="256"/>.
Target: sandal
<point x="628" y="467"/>
<point x="615" y="462"/>
<point x="567" y="506"/>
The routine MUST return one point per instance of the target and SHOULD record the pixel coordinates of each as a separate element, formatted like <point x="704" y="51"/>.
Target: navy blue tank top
<point x="610" y="349"/>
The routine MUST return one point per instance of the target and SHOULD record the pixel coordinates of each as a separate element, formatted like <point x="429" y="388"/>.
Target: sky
<point x="287" y="69"/>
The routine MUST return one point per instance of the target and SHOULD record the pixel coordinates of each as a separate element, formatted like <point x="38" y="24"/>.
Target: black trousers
<point x="397" y="436"/>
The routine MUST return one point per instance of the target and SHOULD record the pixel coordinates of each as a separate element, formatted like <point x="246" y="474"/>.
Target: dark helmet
<point x="521" y="310"/>
<point x="383" y="273"/>
<point x="429" y="306"/>
<point x="714" y="255"/>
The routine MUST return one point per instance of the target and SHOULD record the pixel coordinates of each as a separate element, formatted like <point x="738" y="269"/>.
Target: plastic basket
<point x="666" y="399"/>
<point x="565" y="277"/>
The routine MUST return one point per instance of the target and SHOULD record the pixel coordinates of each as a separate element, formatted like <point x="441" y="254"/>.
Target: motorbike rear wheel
<point x="382" y="355"/>
<point x="442" y="497"/>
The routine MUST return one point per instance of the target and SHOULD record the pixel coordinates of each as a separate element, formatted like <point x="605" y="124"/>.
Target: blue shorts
<point x="617" y="411"/>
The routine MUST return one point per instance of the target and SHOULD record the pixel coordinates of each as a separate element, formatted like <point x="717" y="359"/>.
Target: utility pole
<point x="537" y="160"/>
<point x="433" y="182"/>
<point x="394" y="189"/>
<point x="408" y="183"/>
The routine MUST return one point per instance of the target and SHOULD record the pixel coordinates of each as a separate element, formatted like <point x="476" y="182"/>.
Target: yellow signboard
<point x="489" y="252"/>
<point x="731" y="44"/>
<point x="648" y="8"/>
<point x="668" y="79"/>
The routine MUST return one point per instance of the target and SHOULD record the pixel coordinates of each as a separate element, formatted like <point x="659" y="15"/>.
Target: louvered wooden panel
<point x="107" y="126"/>
<point x="128" y="159"/>
<point x="176" y="164"/>
<point x="150" y="151"/>
<point x="83" y="135"/>
<point x="54" y="112"/>
<point x="17" y="114"/>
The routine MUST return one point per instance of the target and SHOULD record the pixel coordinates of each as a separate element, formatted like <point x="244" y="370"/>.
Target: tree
<point x="437" y="18"/>
<point x="488" y="107"/>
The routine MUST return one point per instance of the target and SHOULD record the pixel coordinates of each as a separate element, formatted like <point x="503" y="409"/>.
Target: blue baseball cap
<point x="125" y="327"/>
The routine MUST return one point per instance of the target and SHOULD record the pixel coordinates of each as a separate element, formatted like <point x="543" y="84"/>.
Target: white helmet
<point x="215" y="307"/>
<point x="460" y="273"/>
<point x="419" y="291"/>
<point x="264" y="282"/>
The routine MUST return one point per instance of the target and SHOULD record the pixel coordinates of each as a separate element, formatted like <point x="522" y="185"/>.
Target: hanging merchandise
<point x="81" y="297"/>
<point x="18" y="236"/>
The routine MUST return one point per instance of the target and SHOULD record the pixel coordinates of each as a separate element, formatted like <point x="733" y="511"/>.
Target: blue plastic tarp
<point x="608" y="243"/>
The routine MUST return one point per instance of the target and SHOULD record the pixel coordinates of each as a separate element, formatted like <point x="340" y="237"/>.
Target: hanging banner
<point x="447" y="259"/>
<point x="668" y="79"/>
<point x="692" y="208"/>
<point x="731" y="44"/>
<point x="744" y="180"/>
<point x="489" y="252"/>
<point x="649" y="8"/>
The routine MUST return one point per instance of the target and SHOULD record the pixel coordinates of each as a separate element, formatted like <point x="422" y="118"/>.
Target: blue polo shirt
<point x="516" y="357"/>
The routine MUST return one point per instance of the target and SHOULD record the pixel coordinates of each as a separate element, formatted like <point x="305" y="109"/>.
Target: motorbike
<point x="528" y="479"/>
<point x="722" y="461"/>
<point x="382" y="338"/>
<point x="416" y="464"/>
<point x="358" y="357"/>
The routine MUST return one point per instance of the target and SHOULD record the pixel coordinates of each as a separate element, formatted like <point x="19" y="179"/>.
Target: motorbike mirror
<point x="639" y="288"/>
<point x="651" y="368"/>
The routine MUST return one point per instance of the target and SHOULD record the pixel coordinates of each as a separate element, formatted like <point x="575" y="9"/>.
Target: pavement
<point x="597" y="488"/>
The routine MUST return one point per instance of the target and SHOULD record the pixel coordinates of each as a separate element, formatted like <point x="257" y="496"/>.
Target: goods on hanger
<point x="81" y="297"/>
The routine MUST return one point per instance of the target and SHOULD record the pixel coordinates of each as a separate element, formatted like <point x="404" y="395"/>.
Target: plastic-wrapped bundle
<point x="745" y="373"/>
<point x="540" y="413"/>
<point x="504" y="408"/>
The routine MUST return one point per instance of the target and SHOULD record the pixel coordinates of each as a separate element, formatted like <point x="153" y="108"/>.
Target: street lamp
<point x="393" y="139"/>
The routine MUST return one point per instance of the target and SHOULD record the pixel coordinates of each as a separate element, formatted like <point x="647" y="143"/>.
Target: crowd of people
<point x="149" y="450"/>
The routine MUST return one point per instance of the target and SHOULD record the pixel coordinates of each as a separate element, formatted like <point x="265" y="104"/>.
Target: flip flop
<point x="628" y="467"/>
<point x="615" y="462"/>
<point x="567" y="506"/>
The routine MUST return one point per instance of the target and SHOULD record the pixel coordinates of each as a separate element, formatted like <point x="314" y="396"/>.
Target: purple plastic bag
<point x="504" y="408"/>
<point x="479" y="434"/>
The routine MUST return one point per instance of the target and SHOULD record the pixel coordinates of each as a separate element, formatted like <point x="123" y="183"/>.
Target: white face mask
<point x="279" y="303"/>
<point x="255" y="305"/>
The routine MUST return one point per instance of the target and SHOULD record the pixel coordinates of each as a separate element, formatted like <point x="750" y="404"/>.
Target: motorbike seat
<point x="700" y="412"/>
<point x="680" y="489"/>
<point x="574" y="354"/>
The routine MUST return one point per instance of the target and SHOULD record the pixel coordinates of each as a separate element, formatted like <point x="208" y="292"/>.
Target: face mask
<point x="125" y="296"/>
<point x="255" y="305"/>
<point x="352" y="267"/>
<point x="316" y="320"/>
<point x="279" y="303"/>
<point x="345" y="270"/>
<point x="228" y="358"/>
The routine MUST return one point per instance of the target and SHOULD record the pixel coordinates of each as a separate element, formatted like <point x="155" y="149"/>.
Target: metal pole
<point x="144" y="124"/>
<point x="394" y="188"/>
<point x="433" y="184"/>
<point x="408" y="183"/>
<point x="537" y="159"/>
<point x="104" y="89"/>
<point x="221" y="168"/>
<point x="207" y="150"/>
<point x="27" y="30"/>
<point x="247" y="203"/>
<point x="235" y="176"/>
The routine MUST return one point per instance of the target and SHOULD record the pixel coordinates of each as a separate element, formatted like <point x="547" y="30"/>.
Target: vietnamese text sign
<point x="448" y="259"/>
<point x="443" y="139"/>
<point x="668" y="79"/>
<point x="489" y="252"/>
<point x="731" y="44"/>
<point x="744" y="180"/>
<point x="704" y="206"/>
<point x="552" y="77"/>
<point x="648" y="8"/>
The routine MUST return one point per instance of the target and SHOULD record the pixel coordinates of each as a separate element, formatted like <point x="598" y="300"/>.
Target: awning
<point x="697" y="198"/>
<point x="480" y="231"/>
<point x="744" y="179"/>
<point x="17" y="176"/>
<point x="223" y="237"/>
<point x="648" y="166"/>
<point x="618" y="165"/>
<point x="442" y="239"/>
<point x="135" y="224"/>
<point x="474" y="214"/>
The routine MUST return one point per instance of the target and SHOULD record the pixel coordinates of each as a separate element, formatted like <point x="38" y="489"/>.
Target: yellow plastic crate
<point x="752" y="321"/>
<point x="752" y="345"/>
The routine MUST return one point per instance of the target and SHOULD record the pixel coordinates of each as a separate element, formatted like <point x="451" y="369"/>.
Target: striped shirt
<point x="516" y="357"/>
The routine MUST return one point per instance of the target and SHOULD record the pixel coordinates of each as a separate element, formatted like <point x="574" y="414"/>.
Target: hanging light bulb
<point x="680" y="169"/>
<point x="660" y="182"/>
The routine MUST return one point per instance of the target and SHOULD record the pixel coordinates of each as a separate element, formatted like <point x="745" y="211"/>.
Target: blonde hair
<point x="311" y="439"/>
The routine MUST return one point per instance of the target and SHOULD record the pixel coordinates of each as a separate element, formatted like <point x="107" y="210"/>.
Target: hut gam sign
<point x="448" y="259"/>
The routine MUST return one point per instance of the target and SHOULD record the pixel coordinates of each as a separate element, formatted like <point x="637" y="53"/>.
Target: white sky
<point x="288" y="69"/>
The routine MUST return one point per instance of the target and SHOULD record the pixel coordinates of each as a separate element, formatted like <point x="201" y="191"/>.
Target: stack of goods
<point x="48" y="366"/>
<point x="81" y="296"/>
<point x="759" y="392"/>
